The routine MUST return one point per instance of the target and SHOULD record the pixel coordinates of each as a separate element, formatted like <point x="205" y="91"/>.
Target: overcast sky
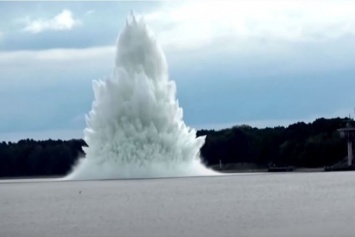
<point x="263" y="63"/>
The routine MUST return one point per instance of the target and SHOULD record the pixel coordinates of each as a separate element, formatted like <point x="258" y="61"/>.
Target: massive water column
<point x="135" y="128"/>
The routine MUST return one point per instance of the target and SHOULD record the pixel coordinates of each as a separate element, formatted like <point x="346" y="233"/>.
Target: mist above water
<point x="135" y="128"/>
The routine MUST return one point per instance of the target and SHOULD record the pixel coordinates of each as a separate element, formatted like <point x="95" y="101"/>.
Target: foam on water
<point x="135" y="128"/>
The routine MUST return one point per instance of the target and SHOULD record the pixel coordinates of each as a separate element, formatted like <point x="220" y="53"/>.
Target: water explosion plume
<point x="135" y="127"/>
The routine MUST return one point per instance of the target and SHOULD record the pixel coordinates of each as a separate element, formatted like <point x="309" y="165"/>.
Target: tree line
<point x="315" y="144"/>
<point x="39" y="158"/>
<point x="311" y="145"/>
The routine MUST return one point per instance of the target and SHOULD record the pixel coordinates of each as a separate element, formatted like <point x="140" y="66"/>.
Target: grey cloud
<point x="97" y="29"/>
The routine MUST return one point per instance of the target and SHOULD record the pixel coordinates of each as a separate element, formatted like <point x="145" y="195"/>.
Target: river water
<point x="258" y="204"/>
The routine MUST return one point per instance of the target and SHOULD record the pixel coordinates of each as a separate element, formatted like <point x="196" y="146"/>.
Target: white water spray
<point x="135" y="128"/>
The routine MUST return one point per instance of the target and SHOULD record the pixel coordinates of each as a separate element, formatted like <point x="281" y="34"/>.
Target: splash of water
<point x="135" y="128"/>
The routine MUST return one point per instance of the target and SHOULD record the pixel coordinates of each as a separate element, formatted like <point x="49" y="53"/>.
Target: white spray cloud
<point x="135" y="128"/>
<point x="61" y="22"/>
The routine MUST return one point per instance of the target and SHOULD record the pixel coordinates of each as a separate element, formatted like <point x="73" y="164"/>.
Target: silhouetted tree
<point x="301" y="144"/>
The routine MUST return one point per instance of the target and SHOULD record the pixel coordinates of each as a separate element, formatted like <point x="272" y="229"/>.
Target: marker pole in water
<point x="350" y="153"/>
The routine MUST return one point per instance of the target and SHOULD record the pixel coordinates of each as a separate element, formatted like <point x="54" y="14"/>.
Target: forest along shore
<point x="302" y="147"/>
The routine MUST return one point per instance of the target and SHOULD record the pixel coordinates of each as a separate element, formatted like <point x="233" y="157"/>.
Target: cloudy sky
<point x="263" y="63"/>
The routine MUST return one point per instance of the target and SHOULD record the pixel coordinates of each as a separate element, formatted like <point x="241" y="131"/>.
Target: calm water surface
<point x="293" y="204"/>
